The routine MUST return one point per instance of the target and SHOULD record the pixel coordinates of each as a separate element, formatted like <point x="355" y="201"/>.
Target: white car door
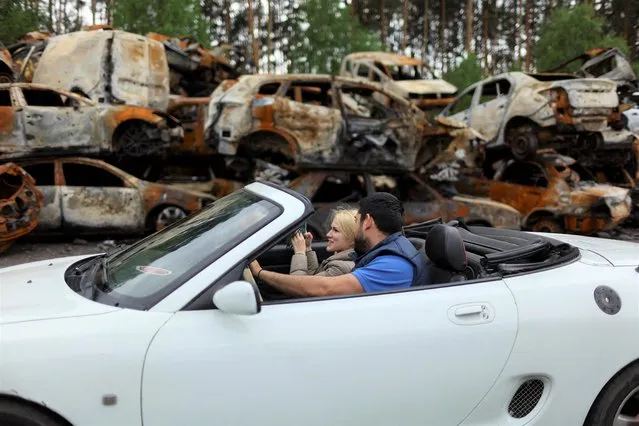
<point x="461" y="108"/>
<point x="94" y="199"/>
<point x="424" y="357"/>
<point x="488" y="113"/>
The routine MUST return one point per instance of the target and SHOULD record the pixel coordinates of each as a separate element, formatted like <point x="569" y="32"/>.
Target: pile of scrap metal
<point x="26" y="53"/>
<point x="20" y="204"/>
<point x="195" y="70"/>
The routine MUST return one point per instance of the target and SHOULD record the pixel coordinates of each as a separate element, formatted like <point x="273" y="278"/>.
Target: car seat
<point x="446" y="254"/>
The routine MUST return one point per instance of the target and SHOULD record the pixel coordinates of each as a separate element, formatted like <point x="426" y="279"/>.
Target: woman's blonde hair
<point x="345" y="218"/>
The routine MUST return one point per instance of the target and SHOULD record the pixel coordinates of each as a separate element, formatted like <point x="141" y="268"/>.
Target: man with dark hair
<point x="386" y="259"/>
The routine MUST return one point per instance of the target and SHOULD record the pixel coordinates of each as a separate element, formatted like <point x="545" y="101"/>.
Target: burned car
<point x="6" y="65"/>
<point x="90" y="196"/>
<point x="37" y="120"/>
<point x="330" y="189"/>
<point x="195" y="70"/>
<point x="609" y="63"/>
<point x="409" y="77"/>
<point x="309" y="121"/>
<point x="527" y="111"/>
<point x="107" y="66"/>
<point x="26" y="53"/>
<point x="20" y="204"/>
<point x="551" y="195"/>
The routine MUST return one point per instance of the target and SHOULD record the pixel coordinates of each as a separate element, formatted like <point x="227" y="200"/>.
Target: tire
<point x="165" y="216"/>
<point x="523" y="141"/>
<point x="134" y="139"/>
<point x="16" y="414"/>
<point x="618" y="401"/>
<point x="6" y="78"/>
<point x="547" y="225"/>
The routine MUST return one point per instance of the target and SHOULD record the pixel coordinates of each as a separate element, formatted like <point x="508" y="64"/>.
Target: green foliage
<point x="16" y="19"/>
<point x="329" y="34"/>
<point x="517" y="66"/>
<point x="636" y="67"/>
<point x="167" y="17"/>
<point x="468" y="72"/>
<point x="570" y="32"/>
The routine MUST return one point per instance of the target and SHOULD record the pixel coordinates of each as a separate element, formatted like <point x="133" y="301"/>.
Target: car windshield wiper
<point x="81" y="269"/>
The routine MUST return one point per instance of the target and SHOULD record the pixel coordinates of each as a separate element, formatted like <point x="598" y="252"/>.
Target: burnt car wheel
<point x="547" y="225"/>
<point x="523" y="141"/>
<point x="618" y="403"/>
<point x="166" y="216"/>
<point x="137" y="139"/>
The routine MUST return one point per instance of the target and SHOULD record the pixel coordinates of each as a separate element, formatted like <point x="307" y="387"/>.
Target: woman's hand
<point x="299" y="243"/>
<point x="308" y="237"/>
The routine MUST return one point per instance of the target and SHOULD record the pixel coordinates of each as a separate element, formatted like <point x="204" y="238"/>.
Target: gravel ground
<point x="31" y="250"/>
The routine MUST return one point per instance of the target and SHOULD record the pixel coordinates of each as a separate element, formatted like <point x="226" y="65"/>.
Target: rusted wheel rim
<point x="135" y="142"/>
<point x="628" y="412"/>
<point x="167" y="216"/>
<point x="522" y="146"/>
<point x="547" y="226"/>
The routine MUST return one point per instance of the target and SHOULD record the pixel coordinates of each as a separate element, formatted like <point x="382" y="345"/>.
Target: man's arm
<point x="300" y="285"/>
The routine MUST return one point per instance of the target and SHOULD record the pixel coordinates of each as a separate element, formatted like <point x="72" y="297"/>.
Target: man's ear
<point x="368" y="221"/>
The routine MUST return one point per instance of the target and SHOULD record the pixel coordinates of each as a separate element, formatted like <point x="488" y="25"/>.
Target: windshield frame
<point x="115" y="298"/>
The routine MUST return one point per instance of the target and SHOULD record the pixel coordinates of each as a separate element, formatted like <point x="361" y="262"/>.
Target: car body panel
<point x="379" y="362"/>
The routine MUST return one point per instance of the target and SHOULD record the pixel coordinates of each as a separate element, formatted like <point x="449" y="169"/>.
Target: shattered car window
<point x="84" y="175"/>
<point x="527" y="174"/>
<point x="463" y="103"/>
<point x="340" y="189"/>
<point x="45" y="98"/>
<point x="43" y="173"/>
<point x="317" y="94"/>
<point x="409" y="72"/>
<point x="364" y="102"/>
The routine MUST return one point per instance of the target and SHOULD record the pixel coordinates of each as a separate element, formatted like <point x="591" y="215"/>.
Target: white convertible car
<point x="520" y="328"/>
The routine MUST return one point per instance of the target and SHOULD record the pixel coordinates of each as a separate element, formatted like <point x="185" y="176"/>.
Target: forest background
<point x="461" y="40"/>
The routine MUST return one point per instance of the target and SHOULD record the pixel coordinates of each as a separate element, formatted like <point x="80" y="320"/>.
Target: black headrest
<point x="445" y="248"/>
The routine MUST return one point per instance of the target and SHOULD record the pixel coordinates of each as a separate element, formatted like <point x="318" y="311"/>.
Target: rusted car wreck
<point x="408" y="77"/>
<point x="524" y="111"/>
<point x="38" y="120"/>
<point x="320" y="121"/>
<point x="20" y="204"/>
<point x="551" y="195"/>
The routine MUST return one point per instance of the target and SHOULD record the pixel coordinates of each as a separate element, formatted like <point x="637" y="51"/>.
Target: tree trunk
<point x="469" y="25"/>
<point x="442" y="43"/>
<point x="252" y="37"/>
<point x="425" y="47"/>
<point x="78" y="18"/>
<point x="227" y="20"/>
<point x="405" y="27"/>
<point x="93" y="8"/>
<point x="51" y="17"/>
<point x="383" y="26"/>
<point x="528" y="35"/>
<point x="516" y="32"/>
<point x="485" y="41"/>
<point x="269" y="45"/>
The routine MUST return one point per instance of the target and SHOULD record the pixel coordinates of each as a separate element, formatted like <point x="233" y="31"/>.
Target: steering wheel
<point x="247" y="275"/>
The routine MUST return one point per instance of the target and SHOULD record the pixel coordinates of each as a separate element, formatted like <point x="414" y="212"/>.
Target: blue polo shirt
<point x="385" y="273"/>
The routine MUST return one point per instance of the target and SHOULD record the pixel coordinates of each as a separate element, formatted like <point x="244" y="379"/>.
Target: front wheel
<point x="166" y="216"/>
<point x="618" y="402"/>
<point x="547" y="225"/>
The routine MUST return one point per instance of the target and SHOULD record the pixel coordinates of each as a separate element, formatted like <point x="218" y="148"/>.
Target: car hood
<point x="425" y="87"/>
<point x="37" y="291"/>
<point x="618" y="253"/>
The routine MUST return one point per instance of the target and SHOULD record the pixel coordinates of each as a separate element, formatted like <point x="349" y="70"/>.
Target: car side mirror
<point x="238" y="298"/>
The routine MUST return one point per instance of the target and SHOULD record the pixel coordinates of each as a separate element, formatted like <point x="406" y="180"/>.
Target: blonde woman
<point x="341" y="239"/>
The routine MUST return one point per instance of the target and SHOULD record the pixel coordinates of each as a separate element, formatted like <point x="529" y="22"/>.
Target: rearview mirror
<point x="239" y="298"/>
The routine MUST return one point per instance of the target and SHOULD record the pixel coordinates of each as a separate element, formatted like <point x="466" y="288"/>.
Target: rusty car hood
<point x="37" y="291"/>
<point x="426" y="87"/>
<point x="618" y="253"/>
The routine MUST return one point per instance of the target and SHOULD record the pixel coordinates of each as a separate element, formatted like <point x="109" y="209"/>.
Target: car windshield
<point x="409" y="72"/>
<point x="157" y="265"/>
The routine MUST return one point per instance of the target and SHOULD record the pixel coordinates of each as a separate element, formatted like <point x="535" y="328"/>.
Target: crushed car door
<point x="51" y="124"/>
<point x="306" y="112"/>
<point x="488" y="114"/>
<point x="382" y="130"/>
<point x="94" y="199"/>
<point x="12" y="138"/>
<point x="50" y="217"/>
<point x="424" y="357"/>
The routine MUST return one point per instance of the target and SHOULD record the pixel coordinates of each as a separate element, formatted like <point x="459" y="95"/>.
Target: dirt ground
<point x="31" y="250"/>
